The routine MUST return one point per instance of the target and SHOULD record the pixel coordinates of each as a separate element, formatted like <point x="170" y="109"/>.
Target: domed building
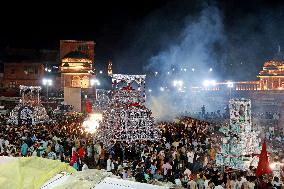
<point x="272" y="76"/>
<point x="77" y="58"/>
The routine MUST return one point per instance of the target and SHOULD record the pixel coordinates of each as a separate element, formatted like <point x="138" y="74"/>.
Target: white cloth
<point x="190" y="156"/>
<point x="187" y="172"/>
<point x="206" y="183"/>
<point x="84" y="167"/>
<point x="219" y="187"/>
<point x="110" y="165"/>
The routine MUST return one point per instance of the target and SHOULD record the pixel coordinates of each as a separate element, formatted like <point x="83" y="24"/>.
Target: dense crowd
<point x="185" y="155"/>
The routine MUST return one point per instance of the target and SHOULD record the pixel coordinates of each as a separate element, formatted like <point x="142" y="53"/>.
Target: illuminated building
<point x="24" y="67"/>
<point x="272" y="76"/>
<point x="77" y="58"/>
<point x="109" y="68"/>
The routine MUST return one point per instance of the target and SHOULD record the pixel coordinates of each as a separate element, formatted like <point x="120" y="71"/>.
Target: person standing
<point x="167" y="168"/>
<point x="24" y="149"/>
<point x="191" y="183"/>
<point x="109" y="164"/>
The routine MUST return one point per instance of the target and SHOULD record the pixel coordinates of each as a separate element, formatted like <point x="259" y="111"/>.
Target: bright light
<point x="210" y="69"/>
<point x="178" y="83"/>
<point x="101" y="72"/>
<point x="276" y="165"/>
<point x="150" y="90"/>
<point x="207" y="83"/>
<point x="93" y="122"/>
<point x="230" y="84"/>
<point x="162" y="89"/>
<point x="184" y="69"/>
<point x="47" y="82"/>
<point x="168" y="73"/>
<point x="193" y="69"/>
<point x="95" y="82"/>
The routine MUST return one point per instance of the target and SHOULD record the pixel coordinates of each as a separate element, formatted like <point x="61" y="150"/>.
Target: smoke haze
<point x="198" y="36"/>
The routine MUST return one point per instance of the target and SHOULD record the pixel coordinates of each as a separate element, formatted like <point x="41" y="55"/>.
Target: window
<point x="12" y="71"/>
<point x="12" y="84"/>
<point x="83" y="48"/>
<point x="36" y="70"/>
<point x="31" y="70"/>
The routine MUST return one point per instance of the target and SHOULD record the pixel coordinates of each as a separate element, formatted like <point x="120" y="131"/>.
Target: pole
<point x="47" y="91"/>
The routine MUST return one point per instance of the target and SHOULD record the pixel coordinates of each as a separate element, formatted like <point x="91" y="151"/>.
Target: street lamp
<point x="95" y="82"/>
<point x="207" y="83"/>
<point x="230" y="85"/>
<point x="47" y="83"/>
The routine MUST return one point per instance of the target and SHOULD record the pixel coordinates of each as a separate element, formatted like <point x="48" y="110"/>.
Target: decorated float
<point x="126" y="118"/>
<point x="240" y="144"/>
<point x="29" y="111"/>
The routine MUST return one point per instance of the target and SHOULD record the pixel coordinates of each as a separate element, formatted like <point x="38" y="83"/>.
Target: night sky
<point x="131" y="33"/>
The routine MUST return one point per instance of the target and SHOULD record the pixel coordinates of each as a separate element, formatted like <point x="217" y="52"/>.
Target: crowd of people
<point x="185" y="154"/>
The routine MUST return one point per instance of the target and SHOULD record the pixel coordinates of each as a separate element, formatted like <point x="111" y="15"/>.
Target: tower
<point x="77" y="58"/>
<point x="109" y="68"/>
<point x="127" y="118"/>
<point x="240" y="142"/>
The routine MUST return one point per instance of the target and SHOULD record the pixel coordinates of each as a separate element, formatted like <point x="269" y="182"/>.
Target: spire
<point x="109" y="68"/>
<point x="279" y="55"/>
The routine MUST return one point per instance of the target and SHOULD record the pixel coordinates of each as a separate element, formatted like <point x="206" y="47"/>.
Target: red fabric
<point x="74" y="159"/>
<point x="133" y="104"/>
<point x="81" y="153"/>
<point x="88" y="106"/>
<point x="263" y="164"/>
<point x="128" y="88"/>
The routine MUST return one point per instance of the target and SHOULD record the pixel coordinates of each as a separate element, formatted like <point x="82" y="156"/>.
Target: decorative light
<point x="47" y="82"/>
<point x="168" y="73"/>
<point x="150" y="90"/>
<point x="162" y="89"/>
<point x="193" y="69"/>
<point x="93" y="122"/>
<point x="230" y="84"/>
<point x="207" y="83"/>
<point x="95" y="82"/>
<point x="101" y="72"/>
<point x="184" y="69"/>
<point x="211" y="69"/>
<point x="178" y="83"/>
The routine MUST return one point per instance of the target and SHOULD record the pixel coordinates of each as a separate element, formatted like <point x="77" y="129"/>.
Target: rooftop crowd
<point x="185" y="154"/>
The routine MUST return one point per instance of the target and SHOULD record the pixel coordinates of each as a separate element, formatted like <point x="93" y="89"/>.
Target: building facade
<point x="76" y="68"/>
<point x="25" y="67"/>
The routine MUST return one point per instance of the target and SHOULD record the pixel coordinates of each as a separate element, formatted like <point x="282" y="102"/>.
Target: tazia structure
<point x="272" y="76"/>
<point x="29" y="111"/>
<point x="127" y="118"/>
<point x="240" y="143"/>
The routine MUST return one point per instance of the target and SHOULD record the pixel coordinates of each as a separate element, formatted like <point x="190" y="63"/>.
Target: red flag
<point x="88" y="106"/>
<point x="263" y="164"/>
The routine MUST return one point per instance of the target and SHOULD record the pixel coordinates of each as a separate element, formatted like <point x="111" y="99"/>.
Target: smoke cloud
<point x="188" y="60"/>
<point x="183" y="40"/>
